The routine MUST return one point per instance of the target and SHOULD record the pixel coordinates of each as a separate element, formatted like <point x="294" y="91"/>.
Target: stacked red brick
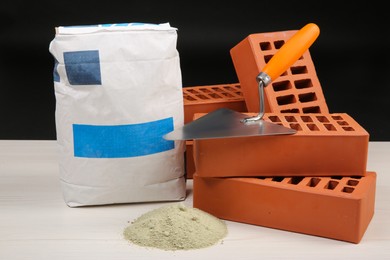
<point x="265" y="180"/>
<point x="205" y="99"/>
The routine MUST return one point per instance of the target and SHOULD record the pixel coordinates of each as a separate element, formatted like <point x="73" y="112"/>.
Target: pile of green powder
<point x="176" y="227"/>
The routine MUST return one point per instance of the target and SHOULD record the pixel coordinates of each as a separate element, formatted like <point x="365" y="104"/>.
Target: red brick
<point x="204" y="99"/>
<point x="298" y="90"/>
<point x="324" y="145"/>
<point x="333" y="207"/>
<point x="190" y="164"/>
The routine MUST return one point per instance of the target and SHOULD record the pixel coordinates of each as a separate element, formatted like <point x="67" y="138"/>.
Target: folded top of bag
<point x="83" y="29"/>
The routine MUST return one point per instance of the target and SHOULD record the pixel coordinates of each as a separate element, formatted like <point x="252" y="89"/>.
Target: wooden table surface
<point x="35" y="222"/>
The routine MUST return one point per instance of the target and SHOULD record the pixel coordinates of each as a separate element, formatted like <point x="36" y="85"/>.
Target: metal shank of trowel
<point x="283" y="59"/>
<point x="263" y="80"/>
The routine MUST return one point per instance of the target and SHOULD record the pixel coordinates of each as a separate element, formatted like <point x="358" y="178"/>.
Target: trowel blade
<point x="226" y="123"/>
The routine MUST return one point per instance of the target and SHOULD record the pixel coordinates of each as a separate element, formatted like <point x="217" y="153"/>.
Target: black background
<point x="351" y="55"/>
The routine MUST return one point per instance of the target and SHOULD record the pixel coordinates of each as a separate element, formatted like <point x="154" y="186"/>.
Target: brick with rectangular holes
<point x="204" y="99"/>
<point x="325" y="144"/>
<point x="333" y="207"/>
<point x="297" y="90"/>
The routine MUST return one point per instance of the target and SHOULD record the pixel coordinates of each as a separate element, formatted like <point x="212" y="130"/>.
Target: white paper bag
<point x="118" y="90"/>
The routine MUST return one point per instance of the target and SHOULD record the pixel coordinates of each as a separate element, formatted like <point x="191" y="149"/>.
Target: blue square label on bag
<point x="83" y="67"/>
<point x="122" y="141"/>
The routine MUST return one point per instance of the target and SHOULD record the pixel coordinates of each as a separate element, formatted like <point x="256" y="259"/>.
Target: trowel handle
<point x="291" y="51"/>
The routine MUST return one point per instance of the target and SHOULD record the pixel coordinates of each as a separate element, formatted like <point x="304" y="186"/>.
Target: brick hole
<point x="352" y="182"/>
<point x="189" y="98"/>
<point x="307" y="97"/>
<point x="348" y="189"/>
<point x="278" y="179"/>
<point x="284" y="100"/>
<point x="205" y="90"/>
<point x="296" y="127"/>
<point x="312" y="127"/>
<point x="299" y="70"/>
<point x="239" y="93"/>
<point x="295" y="180"/>
<point x="342" y="123"/>
<point x="348" y="128"/>
<point x="202" y="97"/>
<point x="192" y="91"/>
<point x="337" y="118"/>
<point x="293" y="110"/>
<point x="330" y="127"/>
<point x="267" y="58"/>
<point x="309" y="110"/>
<point x="274" y="118"/>
<point x="355" y="177"/>
<point x="323" y="119"/>
<point x="280" y="86"/>
<point x="230" y="89"/>
<point x="331" y="185"/>
<point x="303" y="83"/>
<point x="283" y="74"/>
<point x="306" y="119"/>
<point x="215" y="95"/>
<point x="264" y="46"/>
<point x="290" y="119"/>
<point x="227" y="95"/>
<point x="313" y="182"/>
<point x="217" y="89"/>
<point x="278" y="44"/>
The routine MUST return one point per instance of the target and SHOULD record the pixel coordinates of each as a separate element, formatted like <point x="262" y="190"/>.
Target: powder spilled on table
<point x="176" y="227"/>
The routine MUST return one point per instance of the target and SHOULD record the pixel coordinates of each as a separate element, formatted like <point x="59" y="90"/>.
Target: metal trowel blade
<point x="226" y="123"/>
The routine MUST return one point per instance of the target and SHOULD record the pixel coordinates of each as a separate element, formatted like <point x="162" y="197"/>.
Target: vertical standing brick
<point x="333" y="207"/>
<point x="325" y="144"/>
<point x="204" y="99"/>
<point x="298" y="90"/>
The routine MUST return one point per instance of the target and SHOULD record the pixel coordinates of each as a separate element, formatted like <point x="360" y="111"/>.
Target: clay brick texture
<point x="297" y="90"/>
<point x="336" y="207"/>
<point x="189" y="156"/>
<point x="205" y="99"/>
<point x="313" y="182"/>
<point x="324" y="145"/>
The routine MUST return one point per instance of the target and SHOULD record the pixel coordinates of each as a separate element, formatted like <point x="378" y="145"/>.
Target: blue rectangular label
<point x="121" y="141"/>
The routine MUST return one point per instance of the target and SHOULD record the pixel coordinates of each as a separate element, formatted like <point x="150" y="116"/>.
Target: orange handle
<point x="291" y="51"/>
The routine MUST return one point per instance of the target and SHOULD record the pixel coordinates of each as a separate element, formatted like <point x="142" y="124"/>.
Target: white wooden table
<point x="35" y="223"/>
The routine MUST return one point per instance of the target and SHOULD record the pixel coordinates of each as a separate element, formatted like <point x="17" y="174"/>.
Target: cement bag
<point x="118" y="90"/>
